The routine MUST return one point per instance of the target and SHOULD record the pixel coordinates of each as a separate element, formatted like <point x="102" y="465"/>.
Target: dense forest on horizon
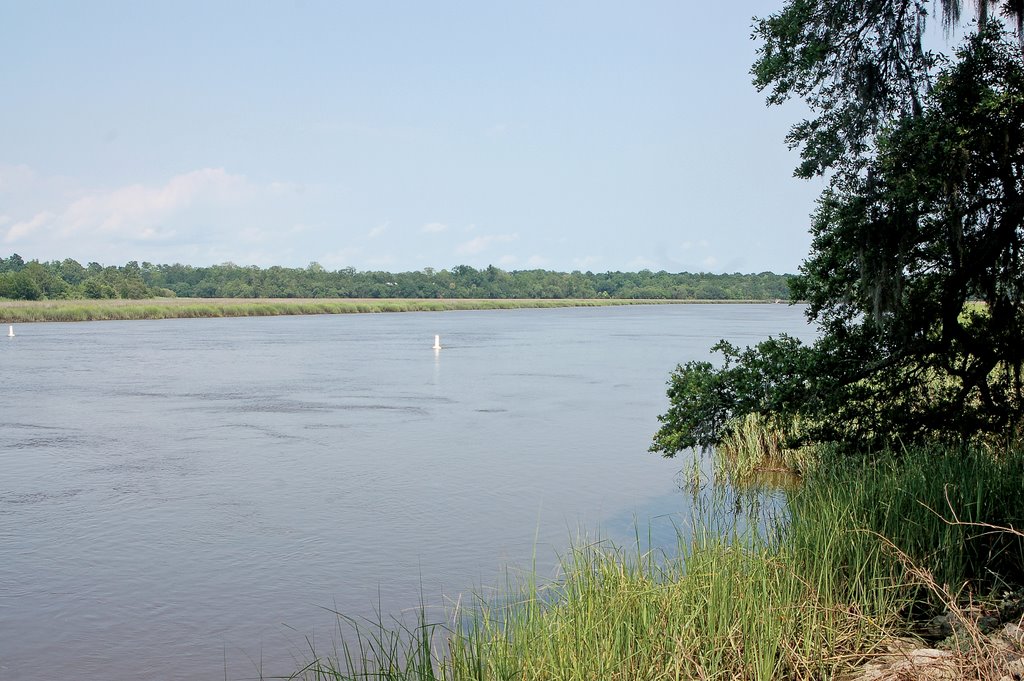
<point x="68" y="279"/>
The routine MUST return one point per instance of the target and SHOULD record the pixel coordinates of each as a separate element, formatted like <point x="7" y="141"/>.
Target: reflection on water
<point x="184" y="495"/>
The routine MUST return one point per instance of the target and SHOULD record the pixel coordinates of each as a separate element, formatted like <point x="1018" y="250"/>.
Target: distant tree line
<point x="68" y="278"/>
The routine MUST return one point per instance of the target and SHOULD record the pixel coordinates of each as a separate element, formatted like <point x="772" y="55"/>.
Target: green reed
<point x="756" y="444"/>
<point x="928" y="502"/>
<point x="12" y="312"/>
<point x="807" y="598"/>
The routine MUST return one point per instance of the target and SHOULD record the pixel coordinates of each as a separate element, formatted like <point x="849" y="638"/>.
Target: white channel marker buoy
<point x="437" y="341"/>
<point x="10" y="331"/>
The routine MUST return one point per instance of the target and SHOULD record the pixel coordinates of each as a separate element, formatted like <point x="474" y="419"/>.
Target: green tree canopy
<point x="68" y="279"/>
<point x="915" y="277"/>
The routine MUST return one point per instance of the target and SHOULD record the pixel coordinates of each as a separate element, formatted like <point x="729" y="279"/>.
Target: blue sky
<point x="395" y="135"/>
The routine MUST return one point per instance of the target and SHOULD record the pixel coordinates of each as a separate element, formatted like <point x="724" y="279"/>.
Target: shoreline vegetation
<point x="83" y="310"/>
<point x="905" y="565"/>
<point x="69" y="279"/>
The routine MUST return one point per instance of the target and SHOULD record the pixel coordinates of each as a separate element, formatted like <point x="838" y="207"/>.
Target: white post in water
<point x="10" y="331"/>
<point x="437" y="341"/>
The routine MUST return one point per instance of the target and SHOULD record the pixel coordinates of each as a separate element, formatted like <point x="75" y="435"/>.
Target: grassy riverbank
<point x="15" y="311"/>
<point x="858" y="561"/>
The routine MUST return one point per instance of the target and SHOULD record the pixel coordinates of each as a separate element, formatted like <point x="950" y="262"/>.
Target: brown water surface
<point x="183" y="497"/>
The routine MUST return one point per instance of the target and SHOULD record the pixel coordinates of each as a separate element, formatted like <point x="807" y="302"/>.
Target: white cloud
<point x="378" y="230"/>
<point x="480" y="244"/>
<point x="433" y="228"/>
<point x="709" y="262"/>
<point x="496" y="130"/>
<point x="22" y="229"/>
<point x="508" y="260"/>
<point x="536" y="261"/>
<point x="136" y="212"/>
<point x="202" y="216"/>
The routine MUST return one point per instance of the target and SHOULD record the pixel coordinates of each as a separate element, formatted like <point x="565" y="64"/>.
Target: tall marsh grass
<point x="756" y="444"/>
<point x="725" y="608"/>
<point x="811" y="597"/>
<point x="20" y="311"/>
<point x="927" y="502"/>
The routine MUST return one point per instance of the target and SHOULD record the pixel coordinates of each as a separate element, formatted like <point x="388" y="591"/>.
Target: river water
<point x="188" y="499"/>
